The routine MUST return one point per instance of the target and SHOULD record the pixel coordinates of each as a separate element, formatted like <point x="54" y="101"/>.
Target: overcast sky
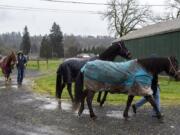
<point x="71" y="22"/>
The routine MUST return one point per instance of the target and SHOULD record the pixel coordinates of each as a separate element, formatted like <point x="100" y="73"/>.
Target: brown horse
<point x="6" y="64"/>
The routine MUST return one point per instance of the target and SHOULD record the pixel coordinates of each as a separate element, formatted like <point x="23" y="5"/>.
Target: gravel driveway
<point x="23" y="112"/>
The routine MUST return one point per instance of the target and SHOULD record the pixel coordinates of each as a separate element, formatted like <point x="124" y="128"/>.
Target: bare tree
<point x="125" y="16"/>
<point x="172" y="11"/>
<point x="174" y="7"/>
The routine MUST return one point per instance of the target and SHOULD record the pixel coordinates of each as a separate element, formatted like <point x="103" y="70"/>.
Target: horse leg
<point x="153" y="103"/>
<point x="60" y="83"/>
<point x="8" y="77"/>
<point x="82" y="102"/>
<point x="128" y="104"/>
<point x="90" y="95"/>
<point x="60" y="91"/>
<point x="69" y="88"/>
<point x="99" y="97"/>
<point x="104" y="98"/>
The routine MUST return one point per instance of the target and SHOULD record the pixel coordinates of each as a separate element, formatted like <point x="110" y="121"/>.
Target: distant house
<point x="162" y="39"/>
<point x="83" y="55"/>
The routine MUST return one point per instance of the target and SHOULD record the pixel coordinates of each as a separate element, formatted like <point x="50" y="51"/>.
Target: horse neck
<point x="154" y="65"/>
<point x="109" y="54"/>
<point x="8" y="61"/>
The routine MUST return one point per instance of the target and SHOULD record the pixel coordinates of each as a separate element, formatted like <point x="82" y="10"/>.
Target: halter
<point x="172" y="67"/>
<point x="120" y="45"/>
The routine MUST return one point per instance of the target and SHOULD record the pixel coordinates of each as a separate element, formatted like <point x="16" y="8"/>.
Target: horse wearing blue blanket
<point x="132" y="77"/>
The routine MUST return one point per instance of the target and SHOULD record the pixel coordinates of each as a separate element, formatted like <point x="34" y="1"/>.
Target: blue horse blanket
<point x="117" y="73"/>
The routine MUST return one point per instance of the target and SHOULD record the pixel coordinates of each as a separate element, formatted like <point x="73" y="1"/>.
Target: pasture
<point x="170" y="91"/>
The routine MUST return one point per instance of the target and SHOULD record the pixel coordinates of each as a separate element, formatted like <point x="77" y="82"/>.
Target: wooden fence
<point x="37" y="62"/>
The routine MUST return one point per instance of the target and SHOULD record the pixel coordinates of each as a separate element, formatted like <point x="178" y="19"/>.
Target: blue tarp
<point x="117" y="73"/>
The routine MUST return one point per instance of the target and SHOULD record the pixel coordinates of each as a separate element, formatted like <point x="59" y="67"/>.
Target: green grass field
<point x="170" y="92"/>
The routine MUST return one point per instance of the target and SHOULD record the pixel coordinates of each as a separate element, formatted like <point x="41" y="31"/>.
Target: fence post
<point x="47" y="63"/>
<point x="38" y="64"/>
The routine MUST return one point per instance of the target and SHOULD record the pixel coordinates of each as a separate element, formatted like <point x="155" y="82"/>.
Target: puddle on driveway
<point x="12" y="83"/>
<point x="14" y="86"/>
<point x="3" y="87"/>
<point x="9" y="86"/>
<point x="50" y="105"/>
<point x="28" y="100"/>
<point x="116" y="114"/>
<point x="54" y="104"/>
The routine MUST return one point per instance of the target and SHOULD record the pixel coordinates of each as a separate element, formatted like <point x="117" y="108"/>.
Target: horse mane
<point x="10" y="57"/>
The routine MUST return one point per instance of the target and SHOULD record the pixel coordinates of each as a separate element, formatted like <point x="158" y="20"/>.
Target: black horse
<point x="153" y="66"/>
<point x="69" y="69"/>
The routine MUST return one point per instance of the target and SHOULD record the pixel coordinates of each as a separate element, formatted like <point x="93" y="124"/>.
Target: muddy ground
<point x="23" y="112"/>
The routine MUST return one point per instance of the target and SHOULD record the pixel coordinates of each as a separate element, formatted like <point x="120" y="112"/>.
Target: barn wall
<point x="161" y="45"/>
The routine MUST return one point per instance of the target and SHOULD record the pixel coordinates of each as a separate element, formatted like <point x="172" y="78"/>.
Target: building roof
<point x="155" y="29"/>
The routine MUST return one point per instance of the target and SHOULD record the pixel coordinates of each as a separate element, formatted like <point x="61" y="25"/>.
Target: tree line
<point x="55" y="44"/>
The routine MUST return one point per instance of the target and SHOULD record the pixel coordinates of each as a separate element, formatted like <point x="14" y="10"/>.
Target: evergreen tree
<point x="56" y="38"/>
<point x="85" y="50"/>
<point x="26" y="43"/>
<point x="45" y="49"/>
<point x="93" y="50"/>
<point x="89" y="50"/>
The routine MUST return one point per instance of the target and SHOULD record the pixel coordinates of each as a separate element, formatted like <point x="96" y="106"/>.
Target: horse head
<point x="122" y="50"/>
<point x="11" y="59"/>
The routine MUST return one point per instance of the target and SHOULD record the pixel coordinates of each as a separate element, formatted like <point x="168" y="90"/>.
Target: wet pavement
<point x="23" y="112"/>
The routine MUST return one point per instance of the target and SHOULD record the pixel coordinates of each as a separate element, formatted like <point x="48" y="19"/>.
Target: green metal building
<point x="161" y="39"/>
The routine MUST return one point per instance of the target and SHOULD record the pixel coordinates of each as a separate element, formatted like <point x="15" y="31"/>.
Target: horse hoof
<point x="125" y="115"/>
<point x="101" y="105"/>
<point x="98" y="100"/>
<point x="80" y="111"/>
<point x="126" y="118"/>
<point x="134" y="108"/>
<point x="94" y="117"/>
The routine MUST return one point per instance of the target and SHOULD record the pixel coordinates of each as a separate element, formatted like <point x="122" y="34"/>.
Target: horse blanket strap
<point x="127" y="74"/>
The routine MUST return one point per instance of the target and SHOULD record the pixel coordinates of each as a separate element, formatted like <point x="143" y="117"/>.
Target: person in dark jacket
<point x="21" y="61"/>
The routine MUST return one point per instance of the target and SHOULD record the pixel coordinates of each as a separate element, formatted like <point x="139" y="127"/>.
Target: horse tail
<point x="79" y="88"/>
<point x="59" y="82"/>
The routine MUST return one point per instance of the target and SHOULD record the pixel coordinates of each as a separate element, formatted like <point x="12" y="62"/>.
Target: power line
<point x="105" y="4"/>
<point x="76" y="2"/>
<point x="10" y="7"/>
